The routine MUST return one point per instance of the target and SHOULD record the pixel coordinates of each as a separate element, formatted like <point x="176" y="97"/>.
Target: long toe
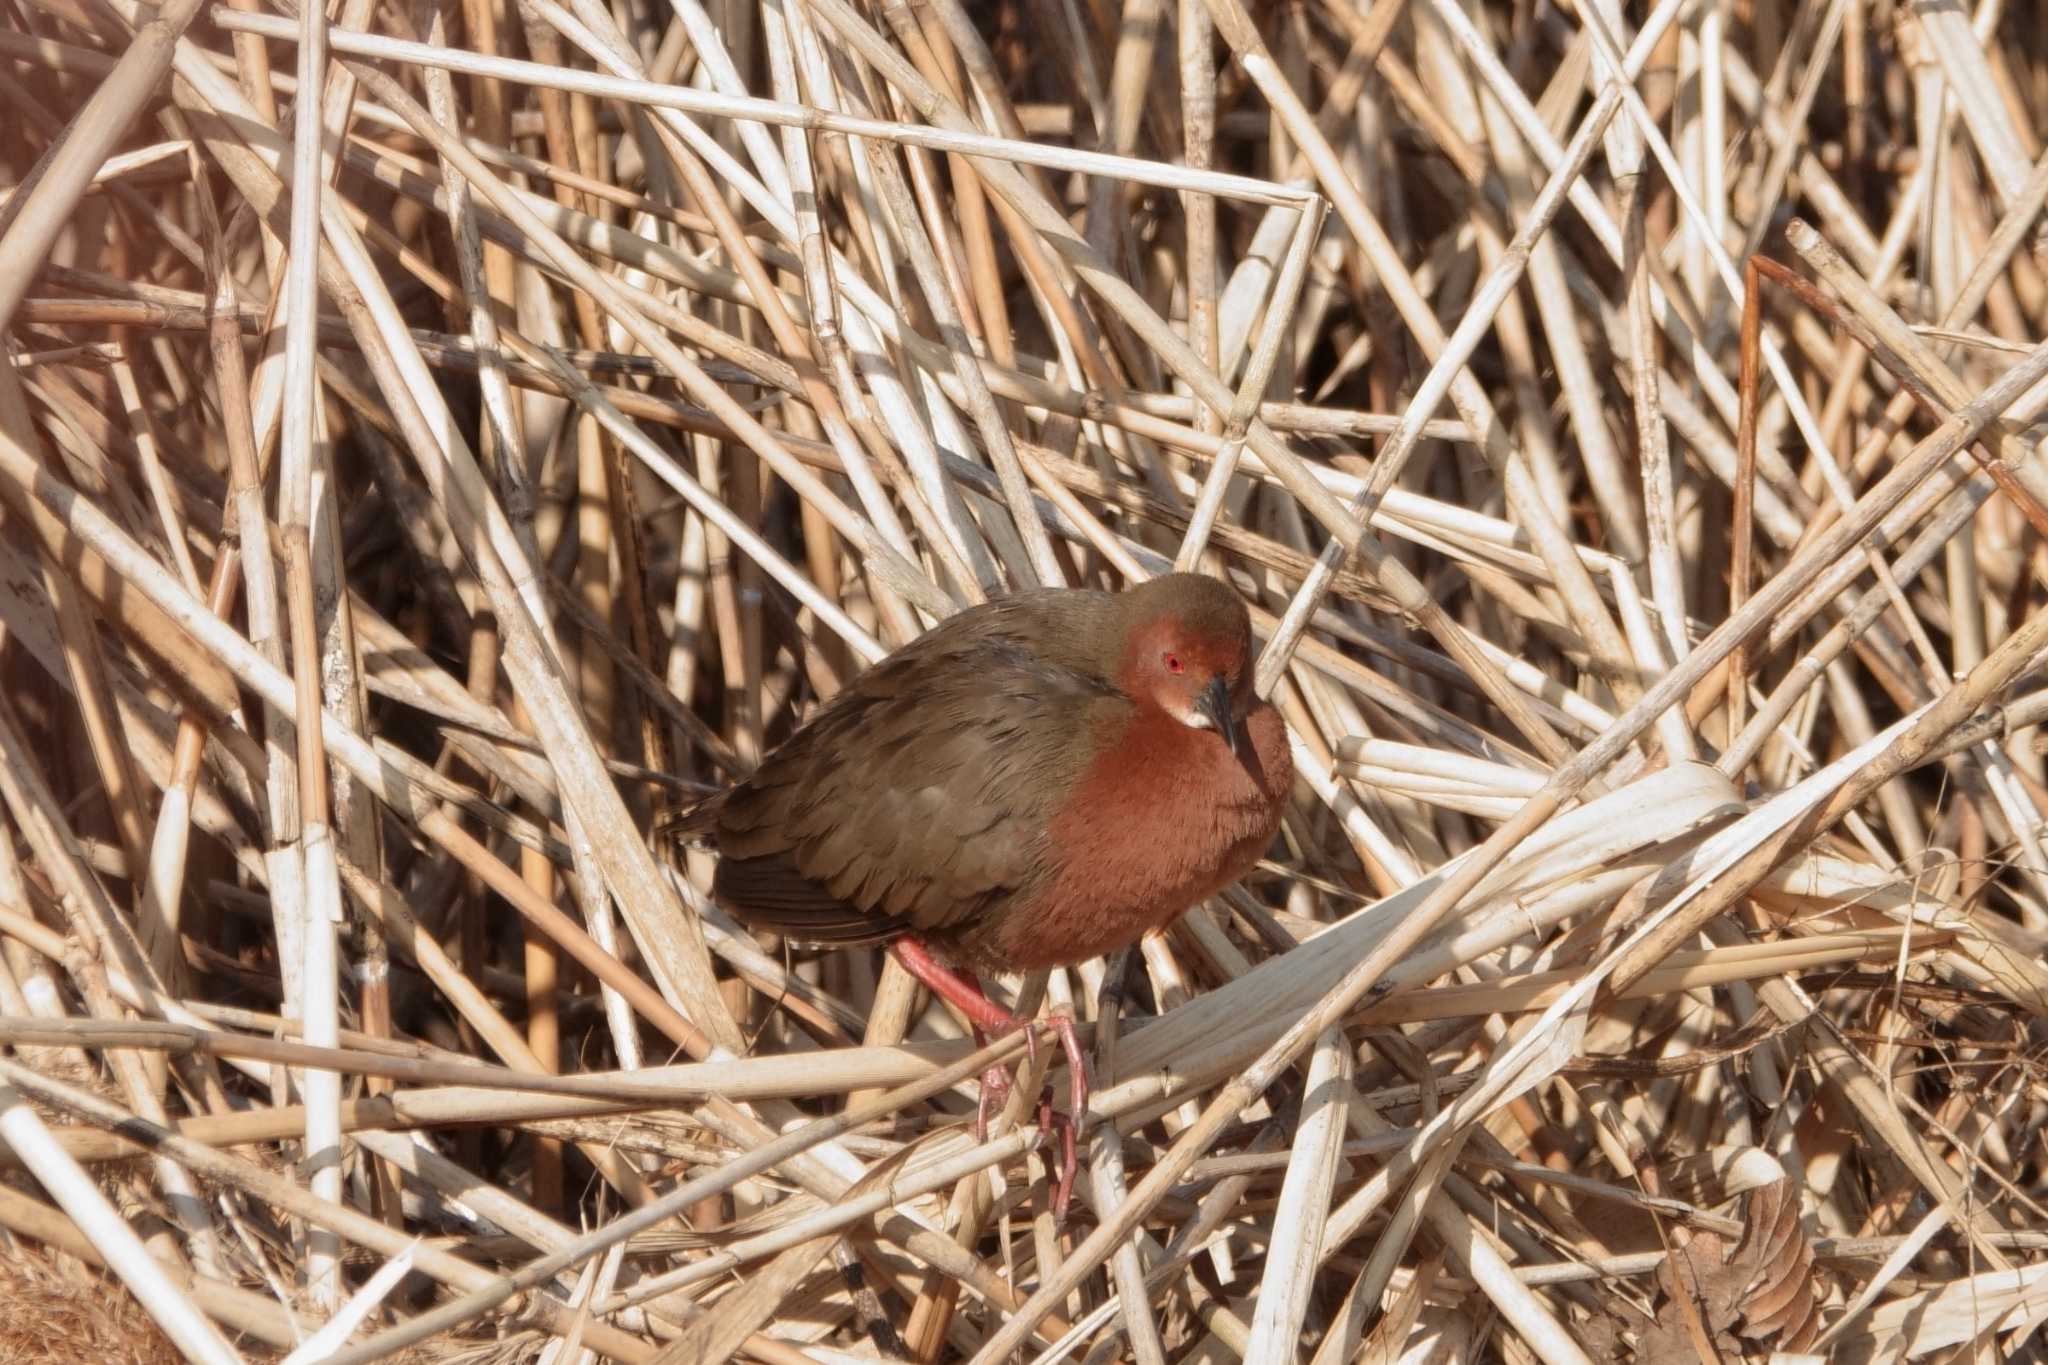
<point x="995" y="1091"/>
<point x="1062" y="1128"/>
<point x="1077" y="1064"/>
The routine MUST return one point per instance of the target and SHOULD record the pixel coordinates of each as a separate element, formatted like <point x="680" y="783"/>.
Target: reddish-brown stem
<point x="1817" y="299"/>
<point x="1743" y="548"/>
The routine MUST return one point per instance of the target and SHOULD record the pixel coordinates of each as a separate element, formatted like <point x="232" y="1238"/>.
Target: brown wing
<point x="919" y="798"/>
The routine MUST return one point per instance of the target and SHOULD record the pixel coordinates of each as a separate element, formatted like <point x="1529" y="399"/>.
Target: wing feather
<point x="919" y="798"/>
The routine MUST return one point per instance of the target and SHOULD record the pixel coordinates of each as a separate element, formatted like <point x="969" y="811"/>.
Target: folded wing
<point x="919" y="798"/>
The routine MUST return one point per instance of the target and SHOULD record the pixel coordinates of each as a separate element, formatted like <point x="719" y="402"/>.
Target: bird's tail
<point x="688" y="824"/>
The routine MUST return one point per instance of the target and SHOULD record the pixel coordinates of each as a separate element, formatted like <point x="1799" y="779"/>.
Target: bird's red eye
<point x="1174" y="665"/>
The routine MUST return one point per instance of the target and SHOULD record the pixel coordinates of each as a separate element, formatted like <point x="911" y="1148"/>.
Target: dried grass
<point x="1636" y="483"/>
<point x="50" y="1316"/>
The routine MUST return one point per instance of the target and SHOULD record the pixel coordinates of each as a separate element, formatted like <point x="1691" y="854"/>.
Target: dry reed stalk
<point x="404" y="510"/>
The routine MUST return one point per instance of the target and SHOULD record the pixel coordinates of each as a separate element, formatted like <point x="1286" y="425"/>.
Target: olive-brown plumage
<point x="1032" y="783"/>
<point x="1035" y="781"/>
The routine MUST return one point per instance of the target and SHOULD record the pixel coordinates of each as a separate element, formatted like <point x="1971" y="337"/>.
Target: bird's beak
<point x="1214" y="704"/>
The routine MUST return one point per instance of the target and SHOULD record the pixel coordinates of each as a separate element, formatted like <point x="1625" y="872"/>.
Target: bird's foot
<point x="1078" y="1082"/>
<point x="1078" y="1089"/>
<point x="1062" y="1128"/>
<point x="1066" y="1130"/>
<point x="990" y="1020"/>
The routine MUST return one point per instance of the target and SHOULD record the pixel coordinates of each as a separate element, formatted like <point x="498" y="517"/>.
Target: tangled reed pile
<point x="1621" y="420"/>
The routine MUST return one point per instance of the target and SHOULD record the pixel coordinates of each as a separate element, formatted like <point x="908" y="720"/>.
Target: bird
<point x="1037" y="780"/>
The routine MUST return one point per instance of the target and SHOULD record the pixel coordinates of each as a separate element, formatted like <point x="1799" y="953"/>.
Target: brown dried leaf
<point x="1761" y="1289"/>
<point x="1600" y="1338"/>
<point x="1781" y="1304"/>
<point x="1698" y="1292"/>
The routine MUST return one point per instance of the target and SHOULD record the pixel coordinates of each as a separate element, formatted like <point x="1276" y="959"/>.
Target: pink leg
<point x="965" y="993"/>
<point x="994" y="1091"/>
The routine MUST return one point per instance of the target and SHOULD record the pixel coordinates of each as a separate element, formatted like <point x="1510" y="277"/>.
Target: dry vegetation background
<point x="1619" y="418"/>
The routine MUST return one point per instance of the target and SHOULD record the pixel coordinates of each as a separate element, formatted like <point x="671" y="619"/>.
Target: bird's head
<point x="1186" y="648"/>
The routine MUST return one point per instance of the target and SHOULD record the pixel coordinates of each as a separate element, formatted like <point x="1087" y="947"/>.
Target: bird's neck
<point x="1153" y="757"/>
<point x="1154" y="740"/>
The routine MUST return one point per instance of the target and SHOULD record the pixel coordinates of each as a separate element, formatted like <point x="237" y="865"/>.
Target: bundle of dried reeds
<point x="1618" y="418"/>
